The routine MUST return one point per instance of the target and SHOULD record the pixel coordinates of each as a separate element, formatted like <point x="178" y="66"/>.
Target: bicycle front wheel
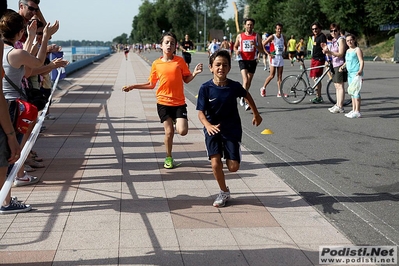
<point x="332" y="95"/>
<point x="293" y="89"/>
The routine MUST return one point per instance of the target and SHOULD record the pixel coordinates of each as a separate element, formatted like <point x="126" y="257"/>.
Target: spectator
<point x="9" y="147"/>
<point x="318" y="59"/>
<point x="354" y="64"/>
<point x="17" y="63"/>
<point x="337" y="51"/>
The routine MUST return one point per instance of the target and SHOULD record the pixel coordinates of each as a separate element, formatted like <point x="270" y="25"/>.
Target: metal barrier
<point x="29" y="144"/>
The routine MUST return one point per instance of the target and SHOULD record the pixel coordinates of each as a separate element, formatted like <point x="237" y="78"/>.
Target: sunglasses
<point x="315" y="28"/>
<point x="31" y="8"/>
<point x="333" y="30"/>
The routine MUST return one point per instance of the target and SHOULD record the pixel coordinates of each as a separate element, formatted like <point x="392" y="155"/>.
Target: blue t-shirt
<point x="220" y="107"/>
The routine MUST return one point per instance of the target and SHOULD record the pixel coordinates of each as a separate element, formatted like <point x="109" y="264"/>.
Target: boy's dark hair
<point x="171" y="34"/>
<point x="221" y="53"/>
<point x="249" y="19"/>
<point x="280" y="25"/>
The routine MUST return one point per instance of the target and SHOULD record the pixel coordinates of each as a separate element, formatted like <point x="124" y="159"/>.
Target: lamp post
<point x="205" y="26"/>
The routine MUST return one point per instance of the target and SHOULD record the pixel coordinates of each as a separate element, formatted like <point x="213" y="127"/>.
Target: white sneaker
<point x="25" y="180"/>
<point x="242" y="101"/>
<point x="350" y="113"/>
<point x="335" y="109"/>
<point x="354" y="115"/>
<point x="222" y="198"/>
<point x="263" y="92"/>
<point x="246" y="106"/>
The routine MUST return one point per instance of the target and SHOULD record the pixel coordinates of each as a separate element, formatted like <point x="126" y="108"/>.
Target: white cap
<point x="224" y="38"/>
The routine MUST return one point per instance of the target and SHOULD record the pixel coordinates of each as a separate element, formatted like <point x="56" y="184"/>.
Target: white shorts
<point x="277" y="61"/>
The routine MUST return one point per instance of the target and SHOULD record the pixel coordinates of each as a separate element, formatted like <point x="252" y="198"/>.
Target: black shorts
<point x="300" y="54"/>
<point x="164" y="112"/>
<point x="228" y="149"/>
<point x="339" y="77"/>
<point x="187" y="57"/>
<point x="249" y="65"/>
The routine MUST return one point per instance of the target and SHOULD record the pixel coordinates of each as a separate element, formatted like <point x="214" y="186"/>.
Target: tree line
<point x="360" y="17"/>
<point x="82" y="43"/>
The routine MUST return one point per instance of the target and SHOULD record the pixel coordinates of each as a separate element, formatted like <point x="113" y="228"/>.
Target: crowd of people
<point x="26" y="66"/>
<point x="24" y="47"/>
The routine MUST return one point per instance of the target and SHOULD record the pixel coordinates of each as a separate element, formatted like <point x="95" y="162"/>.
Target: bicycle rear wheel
<point x="332" y="96"/>
<point x="293" y="89"/>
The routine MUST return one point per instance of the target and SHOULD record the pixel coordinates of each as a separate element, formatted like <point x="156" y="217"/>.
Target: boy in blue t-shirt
<point x="218" y="112"/>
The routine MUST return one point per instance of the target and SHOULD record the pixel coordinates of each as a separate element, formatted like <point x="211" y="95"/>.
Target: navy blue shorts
<point x="217" y="144"/>
<point x="164" y="112"/>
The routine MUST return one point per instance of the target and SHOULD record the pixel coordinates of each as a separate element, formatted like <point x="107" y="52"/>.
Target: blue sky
<point x="92" y="20"/>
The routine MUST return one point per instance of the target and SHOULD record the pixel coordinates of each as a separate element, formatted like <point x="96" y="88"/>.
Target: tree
<point x="180" y="24"/>
<point x="382" y="11"/>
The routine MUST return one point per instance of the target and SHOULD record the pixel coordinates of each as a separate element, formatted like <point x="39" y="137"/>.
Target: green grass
<point x="380" y="45"/>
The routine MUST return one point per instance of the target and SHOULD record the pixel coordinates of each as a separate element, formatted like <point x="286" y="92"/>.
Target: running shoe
<point x="169" y="163"/>
<point x="242" y="101"/>
<point x="263" y="92"/>
<point x="247" y="108"/>
<point x="354" y="115"/>
<point x="317" y="100"/>
<point x="350" y="113"/>
<point x="222" y="198"/>
<point x="335" y="109"/>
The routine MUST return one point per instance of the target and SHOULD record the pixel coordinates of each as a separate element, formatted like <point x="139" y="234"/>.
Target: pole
<point x="205" y="36"/>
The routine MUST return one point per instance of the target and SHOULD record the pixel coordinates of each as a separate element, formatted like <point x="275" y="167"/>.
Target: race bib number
<point x="279" y="49"/>
<point x="248" y="46"/>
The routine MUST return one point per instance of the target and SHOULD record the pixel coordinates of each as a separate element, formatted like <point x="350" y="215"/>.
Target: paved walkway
<point x="105" y="199"/>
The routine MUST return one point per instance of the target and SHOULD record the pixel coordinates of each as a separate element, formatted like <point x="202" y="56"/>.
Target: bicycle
<point x="294" y="88"/>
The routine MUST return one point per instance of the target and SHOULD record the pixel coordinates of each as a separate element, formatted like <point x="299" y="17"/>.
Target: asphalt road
<point x="346" y="168"/>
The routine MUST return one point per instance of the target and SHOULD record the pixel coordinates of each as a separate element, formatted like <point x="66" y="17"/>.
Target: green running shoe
<point x="317" y="100"/>
<point x="168" y="164"/>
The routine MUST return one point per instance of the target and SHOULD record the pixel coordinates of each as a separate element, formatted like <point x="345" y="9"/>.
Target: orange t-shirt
<point x="170" y="75"/>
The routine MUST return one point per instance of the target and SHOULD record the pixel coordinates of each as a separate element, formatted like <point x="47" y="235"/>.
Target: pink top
<point x="337" y="61"/>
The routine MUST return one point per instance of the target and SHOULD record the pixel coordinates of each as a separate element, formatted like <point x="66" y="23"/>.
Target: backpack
<point x="26" y="114"/>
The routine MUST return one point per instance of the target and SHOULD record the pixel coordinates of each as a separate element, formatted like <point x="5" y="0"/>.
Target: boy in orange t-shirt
<point x="170" y="70"/>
